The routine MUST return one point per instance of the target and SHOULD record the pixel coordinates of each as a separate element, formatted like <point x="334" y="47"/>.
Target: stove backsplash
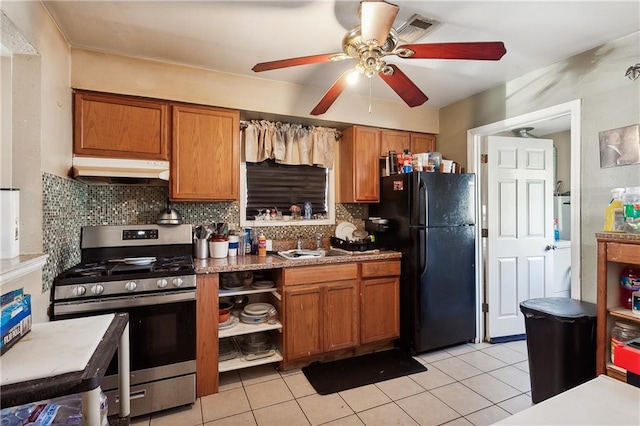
<point x="68" y="205"/>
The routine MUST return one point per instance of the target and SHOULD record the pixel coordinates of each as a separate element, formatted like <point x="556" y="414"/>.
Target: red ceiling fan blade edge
<point x="404" y="87"/>
<point x="292" y="62"/>
<point x="484" y="50"/>
<point x="331" y="95"/>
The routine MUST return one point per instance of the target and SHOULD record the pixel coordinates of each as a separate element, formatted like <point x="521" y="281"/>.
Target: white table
<point x="66" y="357"/>
<point x="600" y="401"/>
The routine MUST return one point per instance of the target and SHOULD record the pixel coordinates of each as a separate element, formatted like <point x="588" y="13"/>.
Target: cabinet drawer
<point x="623" y="253"/>
<point x="319" y="274"/>
<point x="380" y="269"/>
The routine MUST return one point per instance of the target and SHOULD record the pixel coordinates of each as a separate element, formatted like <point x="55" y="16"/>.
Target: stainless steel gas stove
<point x="148" y="272"/>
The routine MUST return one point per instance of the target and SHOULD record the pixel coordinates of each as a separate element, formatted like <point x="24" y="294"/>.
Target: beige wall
<point x="121" y="74"/>
<point x="609" y="100"/>
<point x="562" y="142"/>
<point x="41" y="130"/>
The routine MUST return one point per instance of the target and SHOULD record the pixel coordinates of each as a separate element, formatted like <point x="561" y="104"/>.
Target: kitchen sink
<point x="309" y="254"/>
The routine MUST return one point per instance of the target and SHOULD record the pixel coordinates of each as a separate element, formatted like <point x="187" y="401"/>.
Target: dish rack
<point x="351" y="245"/>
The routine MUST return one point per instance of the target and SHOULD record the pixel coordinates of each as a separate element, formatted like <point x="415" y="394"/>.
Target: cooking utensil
<point x="135" y="260"/>
<point x="169" y="216"/>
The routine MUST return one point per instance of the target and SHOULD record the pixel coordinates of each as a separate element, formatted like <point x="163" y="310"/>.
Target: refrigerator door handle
<point x="422" y="250"/>
<point x="423" y="201"/>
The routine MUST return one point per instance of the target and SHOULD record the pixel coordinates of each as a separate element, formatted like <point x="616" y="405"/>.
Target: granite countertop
<point x="254" y="263"/>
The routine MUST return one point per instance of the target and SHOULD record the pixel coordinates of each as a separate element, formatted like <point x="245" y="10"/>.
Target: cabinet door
<point x="304" y="321"/>
<point x="394" y="141"/>
<point x="106" y="125"/>
<point x="341" y="315"/>
<point x="359" y="170"/>
<point x="205" y="153"/>
<point x="380" y="309"/>
<point x="423" y="142"/>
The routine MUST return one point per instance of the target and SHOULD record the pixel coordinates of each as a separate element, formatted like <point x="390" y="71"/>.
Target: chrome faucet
<point x="319" y="241"/>
<point x="299" y="243"/>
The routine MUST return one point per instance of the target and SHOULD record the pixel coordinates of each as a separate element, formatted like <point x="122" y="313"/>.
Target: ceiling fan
<point x="374" y="39"/>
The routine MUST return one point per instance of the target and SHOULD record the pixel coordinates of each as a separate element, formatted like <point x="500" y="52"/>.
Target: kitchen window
<point x="285" y="165"/>
<point x="268" y="185"/>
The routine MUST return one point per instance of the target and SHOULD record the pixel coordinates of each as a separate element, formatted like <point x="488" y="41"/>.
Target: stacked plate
<point x="230" y="323"/>
<point x="255" y="313"/>
<point x="258" y="285"/>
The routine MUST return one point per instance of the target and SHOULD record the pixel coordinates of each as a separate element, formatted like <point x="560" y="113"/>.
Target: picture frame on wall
<point x="620" y="147"/>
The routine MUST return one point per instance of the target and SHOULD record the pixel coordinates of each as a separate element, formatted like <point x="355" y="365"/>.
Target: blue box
<point x="15" y="322"/>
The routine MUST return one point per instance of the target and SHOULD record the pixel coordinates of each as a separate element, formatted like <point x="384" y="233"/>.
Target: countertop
<point x="254" y="263"/>
<point x="601" y="401"/>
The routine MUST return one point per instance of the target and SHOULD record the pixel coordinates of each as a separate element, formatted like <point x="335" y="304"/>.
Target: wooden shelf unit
<point x="614" y="251"/>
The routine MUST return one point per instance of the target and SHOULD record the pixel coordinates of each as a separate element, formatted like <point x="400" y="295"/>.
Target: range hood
<point x="120" y="171"/>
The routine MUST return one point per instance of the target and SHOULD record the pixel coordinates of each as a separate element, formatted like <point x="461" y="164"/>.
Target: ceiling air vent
<point x="416" y="27"/>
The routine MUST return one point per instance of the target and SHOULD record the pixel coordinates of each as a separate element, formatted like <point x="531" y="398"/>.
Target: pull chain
<point x="370" y="94"/>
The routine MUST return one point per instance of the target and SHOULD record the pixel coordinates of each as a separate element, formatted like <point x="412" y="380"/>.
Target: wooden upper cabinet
<point x="398" y="141"/>
<point x="359" y="171"/>
<point x="391" y="140"/>
<point x="423" y="142"/>
<point x="205" y="157"/>
<point x="107" y="125"/>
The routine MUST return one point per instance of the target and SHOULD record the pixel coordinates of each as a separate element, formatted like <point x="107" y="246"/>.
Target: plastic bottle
<point x="614" y="213"/>
<point x="262" y="245"/>
<point x="308" y="212"/>
<point x="556" y="231"/>
<point x="629" y="283"/>
<point x="631" y="202"/>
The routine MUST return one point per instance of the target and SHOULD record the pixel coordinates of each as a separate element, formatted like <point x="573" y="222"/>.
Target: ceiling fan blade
<point x="303" y="60"/>
<point x="332" y="94"/>
<point x="487" y="50"/>
<point x="376" y="19"/>
<point x="405" y="88"/>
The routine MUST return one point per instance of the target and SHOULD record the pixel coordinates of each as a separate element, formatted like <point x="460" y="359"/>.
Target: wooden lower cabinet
<point x="341" y="315"/>
<point x="333" y="311"/>
<point x="379" y="313"/>
<point x="303" y="313"/>
<point x="321" y="318"/>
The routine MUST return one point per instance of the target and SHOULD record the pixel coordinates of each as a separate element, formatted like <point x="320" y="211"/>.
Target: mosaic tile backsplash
<point x="68" y="205"/>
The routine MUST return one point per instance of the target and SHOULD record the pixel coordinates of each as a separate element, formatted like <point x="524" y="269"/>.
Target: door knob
<point x="550" y="247"/>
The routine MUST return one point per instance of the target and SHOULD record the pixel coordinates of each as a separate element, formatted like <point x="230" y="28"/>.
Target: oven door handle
<point x="120" y="303"/>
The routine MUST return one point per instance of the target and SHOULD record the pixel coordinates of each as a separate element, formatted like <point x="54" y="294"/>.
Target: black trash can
<point x="561" y="341"/>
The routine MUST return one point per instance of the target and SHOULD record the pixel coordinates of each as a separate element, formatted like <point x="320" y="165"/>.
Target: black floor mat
<point x="336" y="376"/>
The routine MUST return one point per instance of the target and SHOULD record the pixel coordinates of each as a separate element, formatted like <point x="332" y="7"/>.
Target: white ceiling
<point x="232" y="36"/>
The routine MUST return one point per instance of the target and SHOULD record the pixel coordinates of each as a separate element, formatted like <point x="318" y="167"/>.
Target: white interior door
<point x="520" y="229"/>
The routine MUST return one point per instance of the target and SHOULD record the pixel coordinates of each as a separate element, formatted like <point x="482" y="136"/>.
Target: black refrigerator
<point x="432" y="222"/>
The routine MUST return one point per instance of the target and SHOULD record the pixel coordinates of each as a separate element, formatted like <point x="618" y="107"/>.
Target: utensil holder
<point x="200" y="248"/>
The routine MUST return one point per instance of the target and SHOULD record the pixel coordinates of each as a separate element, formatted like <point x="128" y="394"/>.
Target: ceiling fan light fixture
<point x="377" y="20"/>
<point x="353" y="76"/>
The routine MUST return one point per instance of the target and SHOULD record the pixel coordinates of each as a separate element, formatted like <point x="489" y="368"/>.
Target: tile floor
<point x="471" y="384"/>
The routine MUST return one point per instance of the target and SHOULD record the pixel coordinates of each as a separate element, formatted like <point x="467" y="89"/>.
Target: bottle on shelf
<point x="614" y="213"/>
<point x="629" y="282"/>
<point x="556" y="230"/>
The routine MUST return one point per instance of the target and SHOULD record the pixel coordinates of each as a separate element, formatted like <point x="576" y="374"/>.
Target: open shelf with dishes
<point x="615" y="251"/>
<point x="246" y="336"/>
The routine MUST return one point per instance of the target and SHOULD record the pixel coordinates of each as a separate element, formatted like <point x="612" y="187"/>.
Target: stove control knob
<point x="162" y="283"/>
<point x="79" y="290"/>
<point x="130" y="286"/>
<point x="97" y="289"/>
<point x="177" y="282"/>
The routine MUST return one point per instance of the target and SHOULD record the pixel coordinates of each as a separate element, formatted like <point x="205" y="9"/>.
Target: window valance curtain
<point x="287" y="143"/>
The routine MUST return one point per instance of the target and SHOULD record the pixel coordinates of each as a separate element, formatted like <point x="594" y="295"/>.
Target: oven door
<point x="162" y="329"/>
